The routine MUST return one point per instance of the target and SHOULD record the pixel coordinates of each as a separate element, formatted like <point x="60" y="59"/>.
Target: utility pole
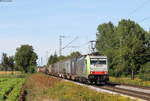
<point x="47" y="56"/>
<point x="60" y="44"/>
<point x="93" y="42"/>
<point x="41" y="61"/>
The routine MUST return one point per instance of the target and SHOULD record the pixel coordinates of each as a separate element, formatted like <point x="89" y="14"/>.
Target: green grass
<point x="125" y="80"/>
<point x="65" y="91"/>
<point x="13" y="76"/>
<point x="40" y="87"/>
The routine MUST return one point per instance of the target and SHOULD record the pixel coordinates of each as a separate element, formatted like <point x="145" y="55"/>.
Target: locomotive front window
<point x="101" y="62"/>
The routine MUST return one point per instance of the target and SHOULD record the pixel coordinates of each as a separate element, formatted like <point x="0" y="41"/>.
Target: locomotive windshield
<point x="100" y="62"/>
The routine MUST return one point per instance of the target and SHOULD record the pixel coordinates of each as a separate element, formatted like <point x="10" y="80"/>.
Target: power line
<point x="139" y="7"/>
<point x="84" y="44"/>
<point x="147" y="18"/>
<point x="73" y="47"/>
<point x="70" y="42"/>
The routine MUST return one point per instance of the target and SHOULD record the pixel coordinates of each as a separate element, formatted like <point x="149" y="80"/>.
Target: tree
<point x="107" y="42"/>
<point x="11" y="63"/>
<point x="55" y="58"/>
<point x="132" y="46"/>
<point x="4" y="62"/>
<point x="147" y="58"/>
<point x="7" y="62"/>
<point x="61" y="58"/>
<point x="52" y="59"/>
<point x="105" y="37"/>
<point x="145" y="68"/>
<point x="25" y="58"/>
<point x="126" y="46"/>
<point x="75" y="54"/>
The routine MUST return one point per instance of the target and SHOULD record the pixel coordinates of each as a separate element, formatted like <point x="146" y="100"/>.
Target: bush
<point x="145" y="71"/>
<point x="145" y="77"/>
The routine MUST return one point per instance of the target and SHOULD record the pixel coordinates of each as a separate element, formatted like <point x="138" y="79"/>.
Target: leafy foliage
<point x="126" y="45"/>
<point x="25" y="58"/>
<point x="7" y="62"/>
<point x="11" y="63"/>
<point x="54" y="58"/>
<point x="75" y="54"/>
<point x="4" y="61"/>
<point x="145" y="71"/>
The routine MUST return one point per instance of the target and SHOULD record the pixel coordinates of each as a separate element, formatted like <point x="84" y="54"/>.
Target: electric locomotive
<point x="92" y="69"/>
<point x="87" y="68"/>
<point x="97" y="69"/>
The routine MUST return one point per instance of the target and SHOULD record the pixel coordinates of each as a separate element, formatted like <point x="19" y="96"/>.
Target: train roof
<point x="95" y="55"/>
<point x="102" y="57"/>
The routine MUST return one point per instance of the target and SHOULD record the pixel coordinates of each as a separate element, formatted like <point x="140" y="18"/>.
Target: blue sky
<point x="40" y="22"/>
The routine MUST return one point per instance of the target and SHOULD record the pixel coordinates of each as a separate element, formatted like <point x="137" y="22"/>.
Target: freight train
<point x="90" y="69"/>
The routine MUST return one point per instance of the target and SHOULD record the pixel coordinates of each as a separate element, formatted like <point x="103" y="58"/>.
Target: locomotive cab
<point x="98" y="69"/>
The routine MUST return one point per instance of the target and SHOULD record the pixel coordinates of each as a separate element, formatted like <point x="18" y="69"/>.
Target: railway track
<point x="142" y="87"/>
<point x="137" y="92"/>
<point x="128" y="92"/>
<point x="140" y="96"/>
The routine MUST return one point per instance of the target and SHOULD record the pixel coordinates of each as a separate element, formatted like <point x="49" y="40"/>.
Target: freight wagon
<point x="88" y="69"/>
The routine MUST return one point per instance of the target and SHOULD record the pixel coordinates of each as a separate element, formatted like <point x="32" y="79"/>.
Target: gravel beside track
<point x="147" y="91"/>
<point x="129" y="85"/>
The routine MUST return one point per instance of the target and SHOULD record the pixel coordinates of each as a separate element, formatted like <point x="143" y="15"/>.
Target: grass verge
<point x="124" y="80"/>
<point x="40" y="87"/>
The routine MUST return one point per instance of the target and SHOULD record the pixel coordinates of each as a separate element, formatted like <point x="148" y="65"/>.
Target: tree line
<point x="54" y="58"/>
<point x="24" y="60"/>
<point x="7" y="63"/>
<point x="127" y="46"/>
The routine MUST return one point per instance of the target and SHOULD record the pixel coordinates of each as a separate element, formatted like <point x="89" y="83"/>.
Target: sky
<point x="40" y="23"/>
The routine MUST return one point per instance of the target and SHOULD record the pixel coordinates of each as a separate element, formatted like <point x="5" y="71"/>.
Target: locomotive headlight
<point x="92" y="69"/>
<point x="105" y="72"/>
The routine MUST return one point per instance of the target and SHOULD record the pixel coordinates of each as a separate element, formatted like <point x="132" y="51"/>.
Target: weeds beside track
<point x="40" y="87"/>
